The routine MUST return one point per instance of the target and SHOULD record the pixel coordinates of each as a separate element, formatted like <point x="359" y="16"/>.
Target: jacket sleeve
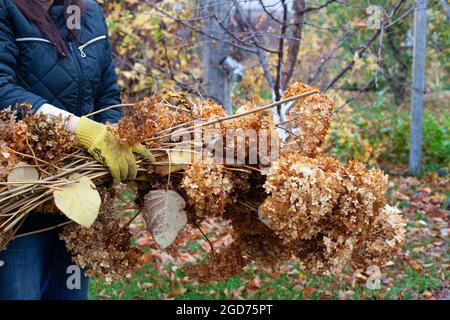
<point x="109" y="93"/>
<point x="11" y="94"/>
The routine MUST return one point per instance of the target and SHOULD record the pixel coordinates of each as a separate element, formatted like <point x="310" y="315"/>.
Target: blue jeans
<point x="36" y="268"/>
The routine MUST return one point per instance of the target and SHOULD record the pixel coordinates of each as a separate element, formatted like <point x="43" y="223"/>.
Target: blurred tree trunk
<point x="216" y="82"/>
<point x="418" y="86"/>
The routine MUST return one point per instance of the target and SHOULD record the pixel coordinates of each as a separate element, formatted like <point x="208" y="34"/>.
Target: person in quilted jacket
<point x="56" y="56"/>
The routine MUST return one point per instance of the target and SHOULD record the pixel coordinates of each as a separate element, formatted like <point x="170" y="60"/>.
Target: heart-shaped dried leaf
<point x="79" y="201"/>
<point x="164" y="215"/>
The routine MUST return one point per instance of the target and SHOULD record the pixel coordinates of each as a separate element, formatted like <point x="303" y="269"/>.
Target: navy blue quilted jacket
<point x="32" y="72"/>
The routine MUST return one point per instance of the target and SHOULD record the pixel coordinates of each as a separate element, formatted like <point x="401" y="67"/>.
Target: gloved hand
<point x="102" y="144"/>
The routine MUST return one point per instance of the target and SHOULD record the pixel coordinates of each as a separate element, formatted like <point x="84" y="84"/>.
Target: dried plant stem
<point x="222" y="119"/>
<point x="28" y="204"/>
<point x="35" y="182"/>
<point x="42" y="230"/>
<point x="111" y="107"/>
<point x="24" y="214"/>
<point x="34" y="158"/>
<point x="236" y="169"/>
<point x="248" y="206"/>
<point x="207" y="239"/>
<point x="176" y="127"/>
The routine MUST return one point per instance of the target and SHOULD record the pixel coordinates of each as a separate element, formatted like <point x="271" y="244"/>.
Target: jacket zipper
<point x="81" y="48"/>
<point x="80" y="77"/>
<point x="33" y="39"/>
<point x="26" y="39"/>
<point x="77" y="61"/>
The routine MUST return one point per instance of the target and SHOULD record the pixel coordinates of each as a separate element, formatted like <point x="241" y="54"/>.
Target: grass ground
<point x="420" y="271"/>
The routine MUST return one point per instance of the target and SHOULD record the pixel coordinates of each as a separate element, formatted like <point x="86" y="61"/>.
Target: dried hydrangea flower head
<point x="311" y="115"/>
<point x="8" y="160"/>
<point x="146" y="118"/>
<point x="384" y="240"/>
<point x="105" y="249"/>
<point x="303" y="192"/>
<point x="207" y="185"/>
<point x="208" y="109"/>
<point x="35" y="135"/>
<point x="331" y="215"/>
<point x="259" y="242"/>
<point x="251" y="137"/>
<point x="219" y="266"/>
<point x="361" y="199"/>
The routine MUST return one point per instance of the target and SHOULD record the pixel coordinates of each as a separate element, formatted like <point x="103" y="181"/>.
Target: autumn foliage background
<point x="155" y="53"/>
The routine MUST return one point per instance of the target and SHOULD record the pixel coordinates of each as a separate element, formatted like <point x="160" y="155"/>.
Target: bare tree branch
<point x="199" y="31"/>
<point x="326" y="4"/>
<point x="270" y="14"/>
<point x="364" y="48"/>
<point x="360" y="91"/>
<point x="329" y="56"/>
<point x="233" y="35"/>
<point x="309" y="9"/>
<point x="294" y="45"/>
<point x="278" y="88"/>
<point x="261" y="54"/>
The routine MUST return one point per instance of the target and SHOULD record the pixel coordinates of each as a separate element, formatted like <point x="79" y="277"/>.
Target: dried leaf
<point x="23" y="172"/>
<point x="164" y="215"/>
<point x="178" y="160"/>
<point x="79" y="201"/>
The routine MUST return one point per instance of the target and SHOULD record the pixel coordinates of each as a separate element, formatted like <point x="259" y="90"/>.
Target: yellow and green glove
<point x="100" y="143"/>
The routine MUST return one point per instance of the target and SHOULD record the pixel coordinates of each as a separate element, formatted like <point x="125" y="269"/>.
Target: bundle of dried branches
<point x="329" y="214"/>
